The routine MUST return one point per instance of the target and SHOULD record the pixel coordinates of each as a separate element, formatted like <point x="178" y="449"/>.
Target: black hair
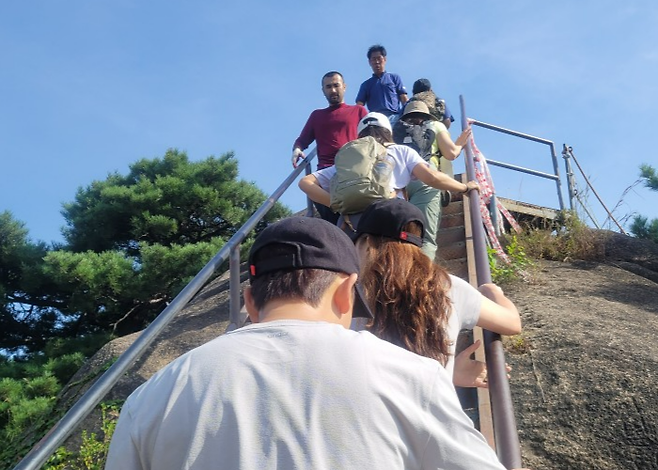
<point x="376" y="48"/>
<point x="381" y="134"/>
<point x="307" y="285"/>
<point x="331" y="74"/>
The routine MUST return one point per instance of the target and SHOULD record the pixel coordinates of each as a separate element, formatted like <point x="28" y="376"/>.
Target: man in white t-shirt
<point x="297" y="389"/>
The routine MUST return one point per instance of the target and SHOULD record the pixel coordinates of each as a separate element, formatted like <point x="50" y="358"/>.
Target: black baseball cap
<point x="420" y="85"/>
<point x="317" y="244"/>
<point x="387" y="218"/>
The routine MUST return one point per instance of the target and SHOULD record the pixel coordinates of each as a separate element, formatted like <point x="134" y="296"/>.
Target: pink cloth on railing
<point x="483" y="178"/>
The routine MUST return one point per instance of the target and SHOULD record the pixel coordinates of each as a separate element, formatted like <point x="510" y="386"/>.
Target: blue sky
<point x="90" y="87"/>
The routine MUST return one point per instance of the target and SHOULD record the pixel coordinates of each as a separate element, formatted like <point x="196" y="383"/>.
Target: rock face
<point x="584" y="370"/>
<point x="584" y="387"/>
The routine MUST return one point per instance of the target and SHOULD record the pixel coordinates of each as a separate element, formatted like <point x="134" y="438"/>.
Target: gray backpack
<point x="363" y="176"/>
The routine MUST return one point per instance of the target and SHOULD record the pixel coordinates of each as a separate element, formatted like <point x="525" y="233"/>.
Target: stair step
<point x="449" y="235"/>
<point x="453" y="251"/>
<point x="455" y="207"/>
<point x="457" y="267"/>
<point x="452" y="221"/>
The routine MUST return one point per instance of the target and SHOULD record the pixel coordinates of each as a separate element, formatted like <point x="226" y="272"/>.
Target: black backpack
<point x="419" y="137"/>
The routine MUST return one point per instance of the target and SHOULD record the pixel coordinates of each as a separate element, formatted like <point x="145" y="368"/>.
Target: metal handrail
<point x="556" y="171"/>
<point x="567" y="154"/>
<point x="60" y="431"/>
<point x="508" y="447"/>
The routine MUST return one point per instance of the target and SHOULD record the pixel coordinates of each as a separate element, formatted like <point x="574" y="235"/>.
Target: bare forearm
<point x="438" y="180"/>
<point x="450" y="149"/>
<point x="314" y="191"/>
<point x="498" y="314"/>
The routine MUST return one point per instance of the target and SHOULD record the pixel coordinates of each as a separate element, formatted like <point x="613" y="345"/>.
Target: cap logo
<point x="252" y="270"/>
<point x="403" y="235"/>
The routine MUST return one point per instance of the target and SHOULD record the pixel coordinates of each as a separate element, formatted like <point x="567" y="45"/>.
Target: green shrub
<point x="86" y="345"/>
<point x="93" y="450"/>
<point x="517" y="344"/>
<point x="33" y="369"/>
<point x="11" y="392"/>
<point x="26" y="413"/>
<point x="45" y="386"/>
<point x="64" y="367"/>
<point x="503" y="272"/>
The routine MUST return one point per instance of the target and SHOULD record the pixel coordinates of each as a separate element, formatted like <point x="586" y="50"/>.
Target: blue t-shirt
<point x="382" y="94"/>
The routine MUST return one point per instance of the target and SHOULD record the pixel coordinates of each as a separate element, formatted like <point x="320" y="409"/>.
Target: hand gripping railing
<point x="58" y="434"/>
<point x="505" y="433"/>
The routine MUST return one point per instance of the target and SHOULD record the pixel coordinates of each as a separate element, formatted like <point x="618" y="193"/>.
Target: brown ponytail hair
<point x="408" y="295"/>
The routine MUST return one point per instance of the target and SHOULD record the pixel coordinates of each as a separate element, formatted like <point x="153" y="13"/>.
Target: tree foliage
<point x="165" y="201"/>
<point x="28" y="301"/>
<point x="642" y="227"/>
<point x="132" y="243"/>
<point x="650" y="176"/>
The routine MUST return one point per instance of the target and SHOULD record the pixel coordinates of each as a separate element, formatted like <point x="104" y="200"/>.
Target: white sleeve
<point x="324" y="176"/>
<point x="405" y="160"/>
<point x="466" y="303"/>
<point x="412" y="158"/>
<point x="453" y="442"/>
<point x="123" y="454"/>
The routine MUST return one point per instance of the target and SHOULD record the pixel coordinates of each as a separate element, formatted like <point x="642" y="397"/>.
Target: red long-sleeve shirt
<point x="331" y="128"/>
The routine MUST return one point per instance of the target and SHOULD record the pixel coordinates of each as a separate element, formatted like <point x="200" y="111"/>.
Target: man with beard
<point x="330" y="128"/>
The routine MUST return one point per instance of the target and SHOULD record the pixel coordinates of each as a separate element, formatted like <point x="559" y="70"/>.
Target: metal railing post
<point x="555" y="177"/>
<point x="309" y="203"/>
<point x="234" y="288"/>
<point x="569" y="151"/>
<point x="571" y="186"/>
<point x="508" y="447"/>
<point x="556" y="169"/>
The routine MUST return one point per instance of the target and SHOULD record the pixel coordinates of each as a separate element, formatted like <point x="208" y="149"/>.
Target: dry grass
<point x="572" y="240"/>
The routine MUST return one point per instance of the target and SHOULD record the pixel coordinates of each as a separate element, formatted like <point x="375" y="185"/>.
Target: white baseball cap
<point x="374" y="119"/>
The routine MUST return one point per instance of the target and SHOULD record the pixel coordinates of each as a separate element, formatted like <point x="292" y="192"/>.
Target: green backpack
<point x="363" y="176"/>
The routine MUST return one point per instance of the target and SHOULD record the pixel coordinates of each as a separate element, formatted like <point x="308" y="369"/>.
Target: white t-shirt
<point x="466" y="305"/>
<point x="297" y="394"/>
<point x="403" y="158"/>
